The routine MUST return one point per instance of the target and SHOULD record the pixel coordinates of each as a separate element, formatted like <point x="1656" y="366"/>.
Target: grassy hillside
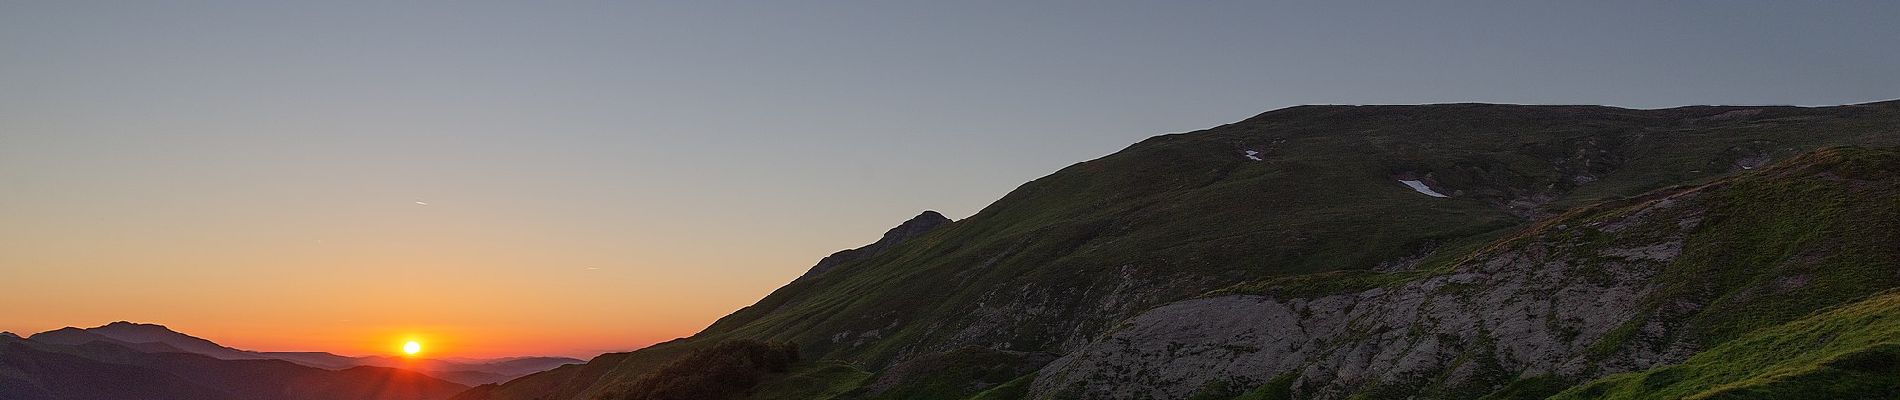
<point x="1177" y="215"/>
<point x="1056" y="262"/>
<point x="1844" y="225"/>
<point x="1849" y="352"/>
<point x="1814" y="232"/>
<point x="1773" y="245"/>
<point x="1644" y="280"/>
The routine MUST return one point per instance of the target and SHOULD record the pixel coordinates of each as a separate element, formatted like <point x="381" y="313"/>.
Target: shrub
<point x="726" y="370"/>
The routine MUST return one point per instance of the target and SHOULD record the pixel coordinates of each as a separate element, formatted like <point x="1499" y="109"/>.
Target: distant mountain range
<point x="124" y="360"/>
<point x="1445" y="251"/>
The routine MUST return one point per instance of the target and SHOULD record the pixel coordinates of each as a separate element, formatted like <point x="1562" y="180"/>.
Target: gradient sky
<point x="603" y="175"/>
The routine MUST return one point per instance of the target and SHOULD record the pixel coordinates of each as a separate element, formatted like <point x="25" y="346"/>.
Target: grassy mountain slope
<point x="1615" y="286"/>
<point x="1850" y="352"/>
<point x="1060" y="260"/>
<point x="1847" y="221"/>
<point x="1178" y="214"/>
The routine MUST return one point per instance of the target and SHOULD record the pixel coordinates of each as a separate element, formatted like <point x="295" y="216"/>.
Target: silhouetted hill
<point x="105" y="370"/>
<point x="315" y="359"/>
<point x="33" y="374"/>
<point x="518" y="366"/>
<point x="153" y="333"/>
<point x="76" y="336"/>
<point x="154" y="338"/>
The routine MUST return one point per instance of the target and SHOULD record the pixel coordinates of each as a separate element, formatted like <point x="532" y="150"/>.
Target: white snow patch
<point x="1253" y="155"/>
<point x="1421" y="188"/>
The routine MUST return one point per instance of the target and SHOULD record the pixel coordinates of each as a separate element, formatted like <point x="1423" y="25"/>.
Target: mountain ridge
<point x="918" y="225"/>
<point x="104" y="369"/>
<point x="155" y="338"/>
<point x="1308" y="203"/>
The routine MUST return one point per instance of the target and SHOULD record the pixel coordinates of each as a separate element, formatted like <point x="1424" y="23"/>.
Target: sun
<point x="412" y="347"/>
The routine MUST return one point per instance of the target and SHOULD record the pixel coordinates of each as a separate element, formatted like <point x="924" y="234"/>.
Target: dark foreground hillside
<point x="1440" y="251"/>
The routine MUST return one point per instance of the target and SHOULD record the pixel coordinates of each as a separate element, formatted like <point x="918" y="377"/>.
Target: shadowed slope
<point x="105" y="370"/>
<point x="1852" y="352"/>
<point x="153" y="338"/>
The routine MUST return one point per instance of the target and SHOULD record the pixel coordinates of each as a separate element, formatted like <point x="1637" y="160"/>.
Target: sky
<point x="571" y="178"/>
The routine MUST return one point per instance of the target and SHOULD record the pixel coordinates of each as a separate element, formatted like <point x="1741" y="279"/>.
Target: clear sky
<point x="603" y="175"/>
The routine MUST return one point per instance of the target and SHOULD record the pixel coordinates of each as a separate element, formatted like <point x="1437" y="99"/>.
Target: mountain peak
<point x="915" y="226"/>
<point x="142" y="333"/>
<point x="133" y="325"/>
<point x="923" y="222"/>
<point x="67" y="336"/>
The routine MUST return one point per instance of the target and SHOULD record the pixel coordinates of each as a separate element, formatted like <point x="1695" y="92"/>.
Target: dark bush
<point x="724" y="371"/>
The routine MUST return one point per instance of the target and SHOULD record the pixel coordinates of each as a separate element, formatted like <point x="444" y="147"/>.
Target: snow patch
<point x="1421" y="188"/>
<point x="1253" y="155"/>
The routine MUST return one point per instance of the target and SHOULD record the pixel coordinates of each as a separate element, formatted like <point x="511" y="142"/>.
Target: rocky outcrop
<point x="1541" y="306"/>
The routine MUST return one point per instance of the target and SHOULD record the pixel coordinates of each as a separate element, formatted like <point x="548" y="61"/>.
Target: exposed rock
<point x="1752" y="162"/>
<point x="1533" y="309"/>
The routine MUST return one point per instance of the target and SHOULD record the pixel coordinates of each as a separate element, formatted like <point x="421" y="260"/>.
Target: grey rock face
<point x="1531" y="309"/>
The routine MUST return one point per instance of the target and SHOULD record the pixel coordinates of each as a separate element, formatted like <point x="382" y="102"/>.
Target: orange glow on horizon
<point x="461" y="339"/>
<point x="470" y="303"/>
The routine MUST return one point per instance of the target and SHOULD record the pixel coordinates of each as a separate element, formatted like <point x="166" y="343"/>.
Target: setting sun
<point x="411" y="348"/>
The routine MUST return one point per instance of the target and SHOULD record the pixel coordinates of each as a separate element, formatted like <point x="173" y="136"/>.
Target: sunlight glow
<point x="411" y="348"/>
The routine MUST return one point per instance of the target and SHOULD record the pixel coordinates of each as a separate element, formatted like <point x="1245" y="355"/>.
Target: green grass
<point x="813" y="381"/>
<point x="1811" y="233"/>
<point x="1851" y="352"/>
<point x="1774" y="245"/>
<point x="1015" y="389"/>
<point x="952" y="375"/>
<point x="725" y="370"/>
<point x="1280" y="388"/>
<point x="1778" y="244"/>
<point x="1531" y="388"/>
